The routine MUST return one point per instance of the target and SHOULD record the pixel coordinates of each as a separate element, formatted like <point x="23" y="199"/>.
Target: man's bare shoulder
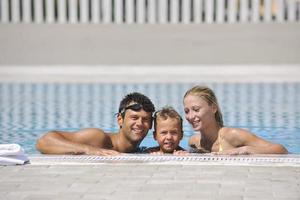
<point x="92" y="136"/>
<point x="92" y="131"/>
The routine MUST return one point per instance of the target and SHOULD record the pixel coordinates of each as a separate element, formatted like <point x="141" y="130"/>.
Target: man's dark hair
<point x="133" y="100"/>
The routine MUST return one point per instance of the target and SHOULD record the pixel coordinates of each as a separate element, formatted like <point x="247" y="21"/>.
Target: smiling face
<point x="135" y="124"/>
<point x="198" y="112"/>
<point x="168" y="134"/>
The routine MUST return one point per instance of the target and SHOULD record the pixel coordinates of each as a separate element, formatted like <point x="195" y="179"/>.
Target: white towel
<point x="12" y="154"/>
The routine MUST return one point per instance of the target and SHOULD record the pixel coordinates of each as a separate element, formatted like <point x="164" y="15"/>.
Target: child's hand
<point x="157" y="153"/>
<point x="180" y="153"/>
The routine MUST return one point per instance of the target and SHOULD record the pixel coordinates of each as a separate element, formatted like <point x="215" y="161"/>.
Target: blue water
<point x="272" y="111"/>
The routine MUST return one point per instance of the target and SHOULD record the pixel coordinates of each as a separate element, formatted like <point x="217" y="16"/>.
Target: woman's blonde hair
<point x="209" y="96"/>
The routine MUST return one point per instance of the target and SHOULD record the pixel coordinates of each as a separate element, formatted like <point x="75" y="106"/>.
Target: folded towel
<point x="12" y="154"/>
<point x="11" y="150"/>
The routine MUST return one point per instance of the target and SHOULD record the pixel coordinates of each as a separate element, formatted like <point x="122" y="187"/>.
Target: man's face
<point x="168" y="134"/>
<point x="135" y="124"/>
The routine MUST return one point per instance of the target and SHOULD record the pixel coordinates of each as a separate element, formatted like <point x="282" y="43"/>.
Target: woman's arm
<point x="245" y="142"/>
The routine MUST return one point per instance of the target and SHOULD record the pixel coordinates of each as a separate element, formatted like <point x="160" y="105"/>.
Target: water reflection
<point x="29" y="110"/>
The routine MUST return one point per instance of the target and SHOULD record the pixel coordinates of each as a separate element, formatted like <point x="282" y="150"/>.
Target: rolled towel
<point x="12" y="154"/>
<point x="13" y="160"/>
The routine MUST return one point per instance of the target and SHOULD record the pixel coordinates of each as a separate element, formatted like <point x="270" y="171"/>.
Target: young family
<point x="135" y="118"/>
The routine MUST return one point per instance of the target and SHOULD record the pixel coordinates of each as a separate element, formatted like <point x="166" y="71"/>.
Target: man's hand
<point x="102" y="152"/>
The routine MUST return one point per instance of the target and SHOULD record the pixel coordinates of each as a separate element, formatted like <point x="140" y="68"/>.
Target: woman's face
<point x="198" y="112"/>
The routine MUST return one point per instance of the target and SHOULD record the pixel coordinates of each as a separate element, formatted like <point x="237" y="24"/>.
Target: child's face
<point x="168" y="134"/>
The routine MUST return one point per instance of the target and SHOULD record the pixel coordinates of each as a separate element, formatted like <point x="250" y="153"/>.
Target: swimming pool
<point x="27" y="110"/>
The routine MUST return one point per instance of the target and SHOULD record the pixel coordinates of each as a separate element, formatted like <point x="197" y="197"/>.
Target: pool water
<point x="271" y="110"/>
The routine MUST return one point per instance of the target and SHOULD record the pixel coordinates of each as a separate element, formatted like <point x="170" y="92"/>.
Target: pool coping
<point x="191" y="159"/>
<point x="150" y="73"/>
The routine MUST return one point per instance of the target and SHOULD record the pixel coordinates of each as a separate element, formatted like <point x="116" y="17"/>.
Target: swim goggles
<point x="136" y="107"/>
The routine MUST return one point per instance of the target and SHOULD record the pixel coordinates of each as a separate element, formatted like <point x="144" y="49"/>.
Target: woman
<point x="203" y="113"/>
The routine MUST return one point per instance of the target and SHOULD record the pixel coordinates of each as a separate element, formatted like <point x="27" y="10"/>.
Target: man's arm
<point x="87" y="141"/>
<point x="248" y="143"/>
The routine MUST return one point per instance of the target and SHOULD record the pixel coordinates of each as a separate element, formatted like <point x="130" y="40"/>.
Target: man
<point x="134" y="119"/>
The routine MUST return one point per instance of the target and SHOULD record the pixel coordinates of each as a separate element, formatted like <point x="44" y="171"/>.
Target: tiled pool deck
<point x="37" y="46"/>
<point x="120" y="179"/>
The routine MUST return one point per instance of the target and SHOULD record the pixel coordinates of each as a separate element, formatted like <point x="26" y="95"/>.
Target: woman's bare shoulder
<point x="235" y="136"/>
<point x="194" y="141"/>
<point x="232" y="132"/>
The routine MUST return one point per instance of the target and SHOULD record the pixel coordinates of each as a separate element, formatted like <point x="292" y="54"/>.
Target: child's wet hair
<point x="165" y="113"/>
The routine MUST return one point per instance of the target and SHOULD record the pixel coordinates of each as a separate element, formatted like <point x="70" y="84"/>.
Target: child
<point x="167" y="132"/>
